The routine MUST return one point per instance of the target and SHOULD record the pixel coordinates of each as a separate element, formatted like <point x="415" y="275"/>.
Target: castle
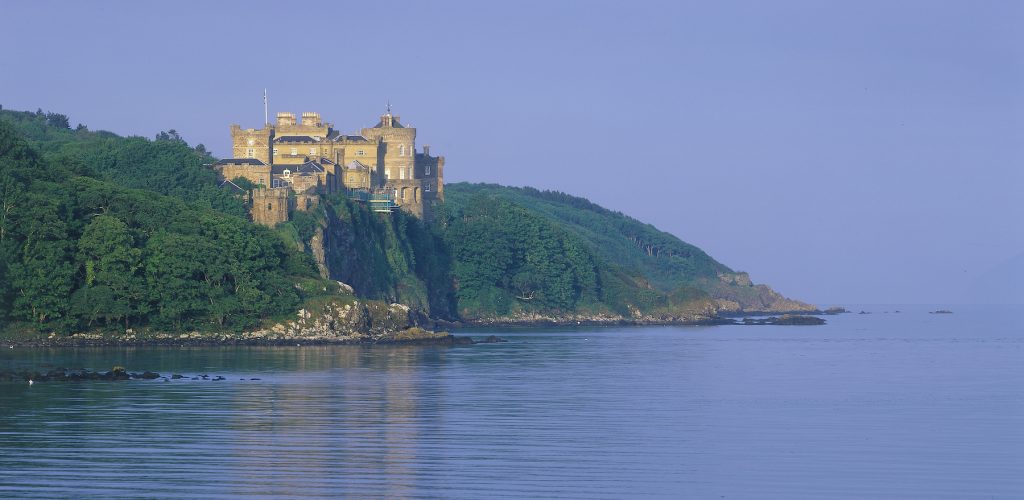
<point x="291" y="163"/>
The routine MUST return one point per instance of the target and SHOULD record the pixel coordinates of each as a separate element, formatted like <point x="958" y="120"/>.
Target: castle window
<point x="275" y="151"/>
<point x="251" y="152"/>
<point x="287" y="173"/>
<point x="360" y="153"/>
<point x="401" y="150"/>
<point x="312" y="151"/>
<point x="410" y="173"/>
<point x="426" y="187"/>
<point x="401" y="173"/>
<point x="295" y="151"/>
<point x="426" y="170"/>
<point x="387" y="173"/>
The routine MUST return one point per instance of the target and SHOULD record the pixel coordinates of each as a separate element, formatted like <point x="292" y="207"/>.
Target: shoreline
<point x="415" y="336"/>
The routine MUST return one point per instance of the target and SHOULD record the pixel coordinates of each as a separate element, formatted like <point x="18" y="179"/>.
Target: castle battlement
<point x="307" y="157"/>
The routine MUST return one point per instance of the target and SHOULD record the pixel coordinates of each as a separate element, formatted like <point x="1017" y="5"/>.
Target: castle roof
<point x="231" y="186"/>
<point x="240" y="161"/>
<point x="310" y="167"/>
<point x="356" y="165"/>
<point x="394" y="123"/>
<point x="295" y="138"/>
<point x="339" y="136"/>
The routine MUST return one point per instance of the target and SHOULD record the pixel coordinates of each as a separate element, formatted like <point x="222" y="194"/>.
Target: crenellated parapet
<point x="307" y="157"/>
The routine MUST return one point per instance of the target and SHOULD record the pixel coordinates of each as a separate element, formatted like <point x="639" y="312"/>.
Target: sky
<point x="842" y="152"/>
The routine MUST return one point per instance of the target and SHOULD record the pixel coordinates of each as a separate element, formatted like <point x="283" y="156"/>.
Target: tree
<point x="106" y="250"/>
<point x="57" y="120"/>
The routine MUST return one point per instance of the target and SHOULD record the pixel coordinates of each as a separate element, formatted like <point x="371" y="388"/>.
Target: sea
<point x="897" y="403"/>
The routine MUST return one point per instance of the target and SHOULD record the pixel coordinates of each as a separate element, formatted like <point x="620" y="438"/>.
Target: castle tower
<point x="399" y="146"/>
<point x="270" y="206"/>
<point x="252" y="143"/>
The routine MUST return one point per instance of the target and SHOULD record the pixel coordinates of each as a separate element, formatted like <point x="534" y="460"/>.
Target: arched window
<point x="287" y="173"/>
<point x="401" y="150"/>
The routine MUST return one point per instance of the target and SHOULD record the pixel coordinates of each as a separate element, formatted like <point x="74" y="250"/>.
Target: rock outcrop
<point x="736" y="294"/>
<point x="335" y="320"/>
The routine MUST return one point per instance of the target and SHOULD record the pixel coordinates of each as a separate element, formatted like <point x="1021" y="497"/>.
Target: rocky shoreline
<point x="348" y="321"/>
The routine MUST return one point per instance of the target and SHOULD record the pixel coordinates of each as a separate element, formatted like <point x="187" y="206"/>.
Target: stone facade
<point x="269" y="205"/>
<point x="308" y="157"/>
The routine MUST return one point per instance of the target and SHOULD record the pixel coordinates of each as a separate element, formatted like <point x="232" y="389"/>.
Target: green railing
<point x="359" y="194"/>
<point x="382" y="202"/>
<point x="379" y="202"/>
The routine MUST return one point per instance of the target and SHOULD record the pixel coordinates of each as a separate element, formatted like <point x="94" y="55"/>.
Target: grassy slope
<point x="637" y="249"/>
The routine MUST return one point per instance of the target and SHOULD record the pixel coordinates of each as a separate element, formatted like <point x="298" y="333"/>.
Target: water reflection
<point x="868" y="407"/>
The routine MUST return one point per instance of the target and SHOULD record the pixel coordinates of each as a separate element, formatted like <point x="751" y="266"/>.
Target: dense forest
<point x="99" y="230"/>
<point x="103" y="231"/>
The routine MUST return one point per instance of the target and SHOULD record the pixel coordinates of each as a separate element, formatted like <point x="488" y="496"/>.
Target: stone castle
<point x="291" y="163"/>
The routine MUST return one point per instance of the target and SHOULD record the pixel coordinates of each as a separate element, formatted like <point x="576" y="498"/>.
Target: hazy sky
<point x="869" y="152"/>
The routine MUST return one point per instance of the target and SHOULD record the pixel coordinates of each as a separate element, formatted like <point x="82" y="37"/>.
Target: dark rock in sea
<point x="836" y="310"/>
<point x="492" y="339"/>
<point x="942" y="311"/>
<point x="786" y="319"/>
<point x="176" y="376"/>
<point x="218" y="377"/>
<point x="863" y="312"/>
<point x="66" y="375"/>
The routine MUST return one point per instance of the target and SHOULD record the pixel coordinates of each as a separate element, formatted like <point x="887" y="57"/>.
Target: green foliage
<point x="520" y="249"/>
<point x="393" y="257"/>
<point x="509" y="259"/>
<point x="638" y="248"/>
<point x="78" y="252"/>
<point x="98" y="231"/>
<point x="167" y="165"/>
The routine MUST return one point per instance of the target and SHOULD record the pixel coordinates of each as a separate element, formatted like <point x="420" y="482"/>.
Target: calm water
<point x="906" y="405"/>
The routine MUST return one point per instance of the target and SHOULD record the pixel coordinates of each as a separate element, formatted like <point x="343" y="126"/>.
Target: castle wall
<point x="257" y="174"/>
<point x="270" y="206"/>
<point x="251" y="143"/>
<point x="388" y="151"/>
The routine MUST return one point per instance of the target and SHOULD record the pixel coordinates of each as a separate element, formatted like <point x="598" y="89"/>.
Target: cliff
<point x="105" y="233"/>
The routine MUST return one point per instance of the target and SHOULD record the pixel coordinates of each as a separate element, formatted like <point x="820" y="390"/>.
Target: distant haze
<point x="863" y="152"/>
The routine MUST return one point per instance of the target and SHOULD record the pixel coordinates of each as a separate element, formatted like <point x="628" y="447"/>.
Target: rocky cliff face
<point x="695" y="312"/>
<point x="340" y="320"/>
<point x="337" y="320"/>
<point x="735" y="293"/>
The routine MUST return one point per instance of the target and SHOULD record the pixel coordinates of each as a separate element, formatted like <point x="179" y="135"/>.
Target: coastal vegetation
<point x="99" y="231"/>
